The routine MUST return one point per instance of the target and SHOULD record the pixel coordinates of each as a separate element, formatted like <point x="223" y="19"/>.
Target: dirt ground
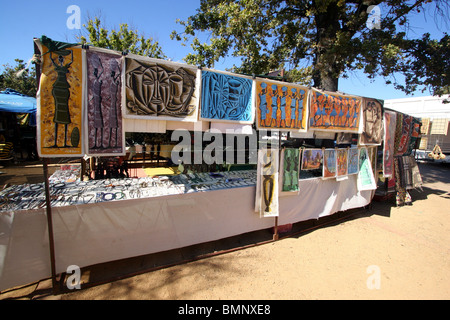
<point x="382" y="252"/>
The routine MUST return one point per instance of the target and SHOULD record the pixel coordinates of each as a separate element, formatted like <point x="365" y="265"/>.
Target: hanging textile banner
<point x="160" y="90"/>
<point x="59" y="103"/>
<point x="281" y="105"/>
<point x="414" y="136"/>
<point x="342" y="162"/>
<point x="329" y="163"/>
<point x="404" y="125"/>
<point x="266" y="201"/>
<point x="226" y="97"/>
<point x="353" y="161"/>
<point x="390" y="121"/>
<point x="372" y="122"/>
<point x="103" y="97"/>
<point x="366" y="179"/>
<point x="334" y="112"/>
<point x="416" y="177"/>
<point x="290" y="160"/>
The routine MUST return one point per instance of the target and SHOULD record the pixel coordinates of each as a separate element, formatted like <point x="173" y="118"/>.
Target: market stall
<point x="17" y="125"/>
<point x="250" y="153"/>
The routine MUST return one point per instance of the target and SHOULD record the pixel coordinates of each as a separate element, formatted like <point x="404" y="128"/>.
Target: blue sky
<point x="21" y="20"/>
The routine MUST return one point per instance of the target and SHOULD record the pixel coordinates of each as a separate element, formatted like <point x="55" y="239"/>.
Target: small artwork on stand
<point x="329" y="163"/>
<point x="342" y="162"/>
<point x="311" y="166"/>
<point x="267" y="183"/>
<point x="353" y="157"/>
<point x="290" y="161"/>
<point x="366" y="180"/>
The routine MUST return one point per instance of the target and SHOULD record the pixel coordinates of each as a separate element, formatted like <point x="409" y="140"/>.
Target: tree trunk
<point x="325" y="76"/>
<point x="326" y="72"/>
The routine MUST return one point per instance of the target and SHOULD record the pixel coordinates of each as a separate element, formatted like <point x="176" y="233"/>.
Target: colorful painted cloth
<point x="59" y="103"/>
<point x="281" y="105"/>
<point x="366" y="179"/>
<point x="342" y="162"/>
<point x="290" y="160"/>
<point x="415" y="172"/>
<point x="372" y="122"/>
<point x="404" y="135"/>
<point x="390" y="122"/>
<point x="414" y="136"/>
<point x="226" y="97"/>
<point x="353" y="161"/>
<point x="330" y="111"/>
<point x="402" y="197"/>
<point x="104" y="100"/>
<point x="329" y="163"/>
<point x="266" y="201"/>
<point x="158" y="89"/>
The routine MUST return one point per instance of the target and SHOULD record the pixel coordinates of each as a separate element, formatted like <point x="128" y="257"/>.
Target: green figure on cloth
<point x="61" y="94"/>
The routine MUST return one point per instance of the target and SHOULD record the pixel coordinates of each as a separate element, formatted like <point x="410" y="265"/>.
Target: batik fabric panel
<point x="390" y="121"/>
<point x="290" y="172"/>
<point x="402" y="196"/>
<point x="415" y="172"/>
<point x="160" y="90"/>
<point x="372" y="122"/>
<point x="353" y="161"/>
<point x="60" y="96"/>
<point x="414" y="136"/>
<point x="330" y="111"/>
<point x="281" y="105"/>
<point x="267" y="180"/>
<point x="405" y="127"/>
<point x="366" y="179"/>
<point x="105" y="130"/>
<point x="226" y="97"/>
<point x="341" y="162"/>
<point x="329" y="163"/>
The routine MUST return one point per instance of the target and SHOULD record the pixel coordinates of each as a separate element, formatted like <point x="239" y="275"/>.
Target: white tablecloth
<point x="94" y="233"/>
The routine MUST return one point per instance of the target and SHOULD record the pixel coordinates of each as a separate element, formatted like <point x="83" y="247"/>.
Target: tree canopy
<point x="123" y="40"/>
<point x="319" y="41"/>
<point x="19" y="78"/>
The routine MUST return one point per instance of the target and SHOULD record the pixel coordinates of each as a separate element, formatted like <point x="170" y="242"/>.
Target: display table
<point x="88" y="234"/>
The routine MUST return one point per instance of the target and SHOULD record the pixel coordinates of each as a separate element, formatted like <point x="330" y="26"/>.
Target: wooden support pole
<point x="47" y="191"/>
<point x="50" y="225"/>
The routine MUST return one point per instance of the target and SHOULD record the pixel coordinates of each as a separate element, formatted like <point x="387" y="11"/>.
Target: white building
<point x="434" y="109"/>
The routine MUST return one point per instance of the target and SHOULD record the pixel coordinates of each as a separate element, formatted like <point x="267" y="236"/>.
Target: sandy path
<point x="409" y="247"/>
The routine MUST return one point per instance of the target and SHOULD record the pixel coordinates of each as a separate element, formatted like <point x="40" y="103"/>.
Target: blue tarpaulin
<point x="13" y="101"/>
